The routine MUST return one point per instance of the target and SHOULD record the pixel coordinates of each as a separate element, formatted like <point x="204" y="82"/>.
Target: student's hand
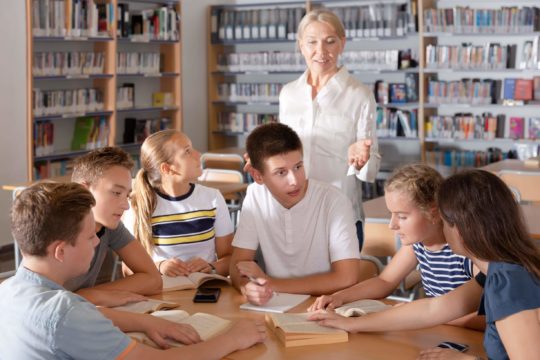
<point x="328" y="302"/>
<point x="247" y="332"/>
<point x="250" y="269"/>
<point x="197" y="264"/>
<point x="444" y="354"/>
<point x="332" y="320"/>
<point x="159" y="330"/>
<point x="358" y="153"/>
<point x="174" y="267"/>
<point x="109" y="298"/>
<point x="257" y="292"/>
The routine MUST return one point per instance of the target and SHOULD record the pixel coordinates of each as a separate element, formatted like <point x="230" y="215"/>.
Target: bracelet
<point x="213" y="271"/>
<point x="159" y="266"/>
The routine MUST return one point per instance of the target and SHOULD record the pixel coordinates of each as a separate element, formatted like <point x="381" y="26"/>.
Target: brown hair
<point x="49" y="211"/>
<point x="269" y="140"/>
<point x="322" y="15"/>
<point x="156" y="150"/>
<point x="419" y="181"/>
<point x="488" y="219"/>
<point x="90" y="167"/>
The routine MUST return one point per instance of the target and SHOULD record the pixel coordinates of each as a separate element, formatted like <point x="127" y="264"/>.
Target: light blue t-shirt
<point x="42" y="320"/>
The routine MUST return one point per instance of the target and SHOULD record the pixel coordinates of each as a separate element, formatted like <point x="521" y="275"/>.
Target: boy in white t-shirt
<point x="305" y="229"/>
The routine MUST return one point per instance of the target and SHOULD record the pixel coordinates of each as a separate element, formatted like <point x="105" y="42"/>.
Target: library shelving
<point x="99" y="72"/>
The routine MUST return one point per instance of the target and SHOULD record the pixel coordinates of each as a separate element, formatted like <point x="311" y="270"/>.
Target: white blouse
<point x="342" y="113"/>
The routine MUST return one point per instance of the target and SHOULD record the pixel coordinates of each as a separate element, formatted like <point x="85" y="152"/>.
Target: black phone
<point x="454" y="346"/>
<point x="207" y="295"/>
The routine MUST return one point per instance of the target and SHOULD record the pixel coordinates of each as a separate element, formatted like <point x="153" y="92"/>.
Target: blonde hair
<point x="420" y="182"/>
<point x="156" y="150"/>
<point x="322" y="15"/>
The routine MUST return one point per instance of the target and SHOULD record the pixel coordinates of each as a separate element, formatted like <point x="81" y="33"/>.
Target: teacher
<point x="332" y="112"/>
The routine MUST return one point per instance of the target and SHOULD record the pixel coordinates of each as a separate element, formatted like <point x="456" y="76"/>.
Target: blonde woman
<point x="332" y="112"/>
<point x="184" y="226"/>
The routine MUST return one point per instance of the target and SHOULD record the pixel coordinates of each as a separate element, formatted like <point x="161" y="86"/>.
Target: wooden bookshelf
<point x="164" y="43"/>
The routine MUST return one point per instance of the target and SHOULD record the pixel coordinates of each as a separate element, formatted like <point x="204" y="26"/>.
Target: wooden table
<point x="509" y="165"/>
<point x="384" y="345"/>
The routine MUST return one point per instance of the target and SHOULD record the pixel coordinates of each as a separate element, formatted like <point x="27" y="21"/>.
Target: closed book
<point x="509" y="89"/>
<point x="523" y="89"/>
<point x="516" y="127"/>
<point x="82" y="132"/>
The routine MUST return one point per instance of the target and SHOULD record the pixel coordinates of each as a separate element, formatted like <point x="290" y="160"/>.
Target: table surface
<point x="383" y="345"/>
<point x="509" y="165"/>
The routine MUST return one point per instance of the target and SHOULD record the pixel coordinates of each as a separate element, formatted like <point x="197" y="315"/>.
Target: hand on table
<point x="332" y="320"/>
<point x="159" y="330"/>
<point x="174" y="267"/>
<point x="328" y="302"/>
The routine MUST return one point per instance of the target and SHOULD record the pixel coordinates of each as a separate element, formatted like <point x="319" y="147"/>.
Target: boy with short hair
<point x="304" y="228"/>
<point x="55" y="230"/>
<point x="106" y="173"/>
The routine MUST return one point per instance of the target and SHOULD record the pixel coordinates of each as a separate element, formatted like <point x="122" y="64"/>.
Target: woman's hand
<point x="358" y="153"/>
<point x="333" y="320"/>
<point x="328" y="302"/>
<point x="197" y="264"/>
<point x="174" y="267"/>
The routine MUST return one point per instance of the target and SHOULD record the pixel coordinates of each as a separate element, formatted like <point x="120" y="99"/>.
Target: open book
<point x="279" y="303"/>
<point x="296" y="330"/>
<point x="192" y="281"/>
<point x="361" y="307"/>
<point x="206" y="325"/>
<point x="147" y="306"/>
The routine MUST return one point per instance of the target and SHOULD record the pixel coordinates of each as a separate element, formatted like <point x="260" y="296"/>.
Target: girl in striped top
<point x="410" y="196"/>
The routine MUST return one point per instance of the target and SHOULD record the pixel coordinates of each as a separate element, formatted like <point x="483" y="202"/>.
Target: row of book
<point x="138" y="62"/>
<point x="396" y="123"/>
<point x="90" y="132"/>
<point x="43" y="138"/>
<point x="52" y="102"/>
<point x="250" y="92"/>
<point x="448" y="161"/>
<point x="489" y="56"/>
<point x="137" y="130"/>
<point x="47" y="169"/>
<point x="518" y="91"/>
<point x="243" y="122"/>
<point x="72" y="18"/>
<point x="459" y="19"/>
<point x="397" y="93"/>
<point x="58" y="63"/>
<point x="162" y="23"/>
<point x="257" y="24"/>
<point x="377" y="20"/>
<point x="125" y="96"/>
<point x="482" y="127"/>
<point x="464" y="91"/>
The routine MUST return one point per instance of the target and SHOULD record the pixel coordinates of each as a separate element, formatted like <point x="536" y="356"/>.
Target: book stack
<point x="137" y="130"/>
<point x="393" y="123"/>
<point x="145" y="25"/>
<point x="278" y="23"/>
<point x="249" y="92"/>
<point x="67" y="63"/>
<point x="58" y="102"/>
<point x="243" y="122"/>
<point x="483" y="21"/>
<point x="72" y="18"/>
<point x="138" y="63"/>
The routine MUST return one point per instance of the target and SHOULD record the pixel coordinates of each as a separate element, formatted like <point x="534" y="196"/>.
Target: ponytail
<point x="144" y="204"/>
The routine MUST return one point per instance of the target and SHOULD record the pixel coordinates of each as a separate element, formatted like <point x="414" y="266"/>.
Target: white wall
<point x="12" y="105"/>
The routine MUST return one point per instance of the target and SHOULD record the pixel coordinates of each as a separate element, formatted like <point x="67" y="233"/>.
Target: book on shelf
<point x="509" y="89"/>
<point x="192" y="281"/>
<point x="206" y="325"/>
<point x="523" y="89"/>
<point x="295" y="330"/>
<point x="398" y="93"/>
<point x="90" y="132"/>
<point x="516" y="127"/>
<point x="147" y="306"/>
<point x="361" y="308"/>
<point x="279" y="303"/>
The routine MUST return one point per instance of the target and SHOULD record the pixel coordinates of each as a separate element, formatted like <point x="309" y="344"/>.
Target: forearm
<point x="470" y="321"/>
<point x="237" y="279"/>
<point x="319" y="284"/>
<point x="139" y="283"/>
<point x="375" y="288"/>
<point x="222" y="265"/>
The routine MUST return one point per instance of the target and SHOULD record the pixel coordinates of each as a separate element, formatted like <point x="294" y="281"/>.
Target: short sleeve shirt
<point x="108" y="239"/>
<point x="303" y="240"/>
<point x="42" y="320"/>
<point x="508" y="290"/>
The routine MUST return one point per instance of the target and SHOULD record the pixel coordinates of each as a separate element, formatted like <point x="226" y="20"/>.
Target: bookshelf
<point x="106" y="74"/>
<point x="451" y="57"/>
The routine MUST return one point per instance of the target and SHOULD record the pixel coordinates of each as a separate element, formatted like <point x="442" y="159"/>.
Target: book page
<point x="298" y="323"/>
<point x="207" y="325"/>
<point x="171" y="315"/>
<point x="279" y="303"/>
<point x="147" y="306"/>
<point x="361" y="307"/>
<point x="177" y="283"/>
<point x="199" y="277"/>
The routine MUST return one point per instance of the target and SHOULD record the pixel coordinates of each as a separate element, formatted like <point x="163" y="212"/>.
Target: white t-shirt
<point x="342" y="113"/>
<point x="303" y="240"/>
<point x="186" y="226"/>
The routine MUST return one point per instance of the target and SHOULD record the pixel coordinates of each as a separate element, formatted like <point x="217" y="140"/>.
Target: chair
<point x="524" y="184"/>
<point x="226" y="161"/>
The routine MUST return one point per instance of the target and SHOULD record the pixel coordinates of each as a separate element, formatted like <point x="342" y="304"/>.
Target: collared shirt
<point x="42" y="320"/>
<point x="342" y="113"/>
<point x="303" y="240"/>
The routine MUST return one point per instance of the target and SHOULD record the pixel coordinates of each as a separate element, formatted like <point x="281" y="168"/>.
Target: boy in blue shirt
<point x="54" y="227"/>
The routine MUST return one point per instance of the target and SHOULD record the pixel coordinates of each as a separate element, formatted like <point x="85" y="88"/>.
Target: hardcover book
<point x="192" y="281"/>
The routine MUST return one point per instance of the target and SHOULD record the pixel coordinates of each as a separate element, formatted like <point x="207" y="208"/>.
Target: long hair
<point x="156" y="149"/>
<point x="488" y="219"/>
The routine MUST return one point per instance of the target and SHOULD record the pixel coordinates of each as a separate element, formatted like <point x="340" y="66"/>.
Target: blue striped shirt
<point x="442" y="270"/>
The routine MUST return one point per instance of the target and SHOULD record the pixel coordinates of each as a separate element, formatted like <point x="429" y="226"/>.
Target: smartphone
<point x="207" y="295"/>
<point x="454" y="346"/>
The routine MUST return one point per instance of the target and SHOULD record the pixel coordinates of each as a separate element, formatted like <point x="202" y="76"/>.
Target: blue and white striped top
<point x="442" y="271"/>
